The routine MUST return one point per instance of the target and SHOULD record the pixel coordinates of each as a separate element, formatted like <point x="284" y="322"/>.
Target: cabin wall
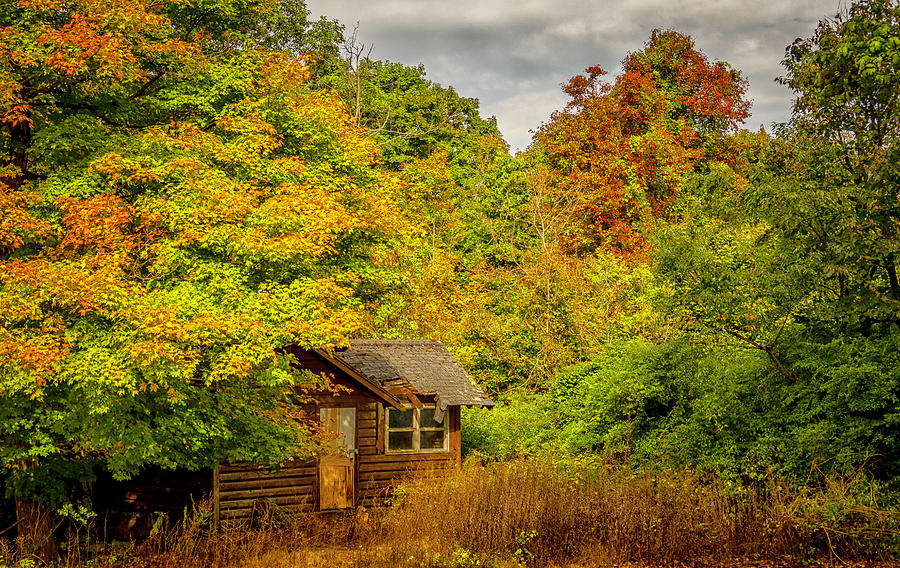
<point x="293" y="487"/>
<point x="379" y="472"/>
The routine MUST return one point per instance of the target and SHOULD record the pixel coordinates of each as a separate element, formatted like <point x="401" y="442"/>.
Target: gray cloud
<point x="514" y="55"/>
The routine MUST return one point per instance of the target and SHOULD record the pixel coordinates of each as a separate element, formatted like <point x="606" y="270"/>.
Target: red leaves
<point x="586" y="87"/>
<point x="709" y="95"/>
<point x="622" y="149"/>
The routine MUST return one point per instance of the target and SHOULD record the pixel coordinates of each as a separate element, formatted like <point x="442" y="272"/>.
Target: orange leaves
<point x="38" y="5"/>
<point x="624" y="149"/>
<point x="80" y="41"/>
<point x="35" y="289"/>
<point x="98" y="223"/>
<point x="16" y="221"/>
<point x="16" y="115"/>
<point x="29" y="363"/>
<point x="112" y="164"/>
<point x="281" y="74"/>
<point x="87" y="42"/>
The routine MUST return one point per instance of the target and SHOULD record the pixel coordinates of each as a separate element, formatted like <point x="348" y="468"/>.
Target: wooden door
<point x="336" y="471"/>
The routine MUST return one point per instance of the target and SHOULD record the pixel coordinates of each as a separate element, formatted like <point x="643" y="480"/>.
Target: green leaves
<point x="846" y="76"/>
<point x="184" y="234"/>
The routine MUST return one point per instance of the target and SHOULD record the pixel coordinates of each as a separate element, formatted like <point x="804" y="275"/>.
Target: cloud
<point x="514" y="55"/>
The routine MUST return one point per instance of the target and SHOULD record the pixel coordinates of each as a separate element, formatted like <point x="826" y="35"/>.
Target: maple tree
<point x="623" y="149"/>
<point x="175" y="211"/>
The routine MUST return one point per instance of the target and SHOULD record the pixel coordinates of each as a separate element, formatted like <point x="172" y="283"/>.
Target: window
<point x="415" y="430"/>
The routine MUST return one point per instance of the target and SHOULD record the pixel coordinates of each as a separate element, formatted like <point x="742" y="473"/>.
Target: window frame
<point x="416" y="430"/>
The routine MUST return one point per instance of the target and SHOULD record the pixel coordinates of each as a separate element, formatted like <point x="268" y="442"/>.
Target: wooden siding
<point x="237" y="489"/>
<point x="292" y="487"/>
<point x="379" y="473"/>
<point x="295" y="486"/>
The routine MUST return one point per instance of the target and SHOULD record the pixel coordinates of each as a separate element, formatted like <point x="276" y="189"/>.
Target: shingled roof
<point x="426" y="365"/>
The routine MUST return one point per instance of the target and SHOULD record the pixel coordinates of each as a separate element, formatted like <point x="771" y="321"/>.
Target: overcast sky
<point x="514" y="55"/>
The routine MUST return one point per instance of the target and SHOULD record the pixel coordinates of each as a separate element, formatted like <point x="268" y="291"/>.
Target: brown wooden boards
<point x="336" y="484"/>
<point x="241" y="486"/>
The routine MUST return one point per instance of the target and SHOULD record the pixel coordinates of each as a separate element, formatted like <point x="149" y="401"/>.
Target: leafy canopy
<point x="623" y="149"/>
<point x="178" y="207"/>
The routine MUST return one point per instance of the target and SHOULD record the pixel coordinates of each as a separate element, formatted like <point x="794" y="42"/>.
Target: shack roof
<point x="426" y="365"/>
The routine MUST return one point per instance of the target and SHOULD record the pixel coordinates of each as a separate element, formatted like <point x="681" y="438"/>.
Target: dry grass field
<point x="534" y="513"/>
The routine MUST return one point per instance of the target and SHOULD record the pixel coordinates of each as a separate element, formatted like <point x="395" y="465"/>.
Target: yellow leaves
<point x="380" y="205"/>
<point x="429" y="178"/>
<point x="78" y="288"/>
<point x="152" y="353"/>
<point x="734" y="182"/>
<point x="328" y="114"/>
<point x="38" y="5"/>
<point x="293" y="166"/>
<point x="162" y="324"/>
<point x="38" y="356"/>
<point x="280" y="73"/>
<point x="300" y="220"/>
<point x="123" y="170"/>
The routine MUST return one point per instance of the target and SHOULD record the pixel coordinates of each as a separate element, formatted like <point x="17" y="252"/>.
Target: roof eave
<point x="374" y="388"/>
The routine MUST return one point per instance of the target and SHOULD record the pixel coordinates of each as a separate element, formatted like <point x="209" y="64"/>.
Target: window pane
<point x="432" y="440"/>
<point x="397" y="419"/>
<point x="400" y="440"/>
<point x="426" y="419"/>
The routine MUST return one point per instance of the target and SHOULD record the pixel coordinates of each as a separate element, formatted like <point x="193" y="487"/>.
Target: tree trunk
<point x="34" y="522"/>
<point x="892" y="277"/>
<point x="20" y="132"/>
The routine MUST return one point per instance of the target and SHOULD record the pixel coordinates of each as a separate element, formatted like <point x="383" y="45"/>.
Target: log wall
<point x="379" y="473"/>
<point x="238" y="489"/>
<point x="293" y="487"/>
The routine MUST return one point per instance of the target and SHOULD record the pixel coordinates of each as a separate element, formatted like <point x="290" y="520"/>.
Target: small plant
<point x="522" y="554"/>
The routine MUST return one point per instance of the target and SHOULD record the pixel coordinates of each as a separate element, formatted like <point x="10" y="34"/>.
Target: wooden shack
<point x="398" y="412"/>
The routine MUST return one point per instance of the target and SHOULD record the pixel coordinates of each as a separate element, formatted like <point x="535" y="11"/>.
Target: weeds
<point x="536" y="512"/>
<point x="530" y="513"/>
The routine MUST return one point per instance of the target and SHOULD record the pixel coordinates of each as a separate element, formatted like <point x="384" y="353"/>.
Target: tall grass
<point x="533" y="510"/>
<point x="535" y="513"/>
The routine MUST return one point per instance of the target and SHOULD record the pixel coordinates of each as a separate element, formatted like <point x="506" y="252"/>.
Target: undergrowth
<point x="534" y="513"/>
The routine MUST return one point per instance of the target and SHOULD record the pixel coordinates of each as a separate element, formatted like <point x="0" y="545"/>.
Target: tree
<point x="800" y="264"/>
<point x="624" y="149"/>
<point x="175" y="212"/>
<point x="848" y="96"/>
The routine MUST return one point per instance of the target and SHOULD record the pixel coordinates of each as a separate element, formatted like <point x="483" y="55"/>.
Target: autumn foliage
<point x="176" y="207"/>
<point x="623" y="148"/>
